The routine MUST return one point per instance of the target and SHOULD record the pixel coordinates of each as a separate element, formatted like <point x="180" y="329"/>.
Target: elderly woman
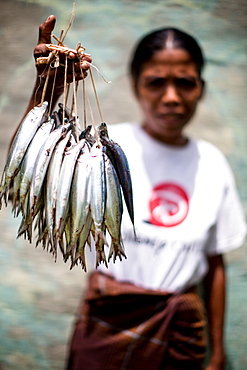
<point x="145" y="312"/>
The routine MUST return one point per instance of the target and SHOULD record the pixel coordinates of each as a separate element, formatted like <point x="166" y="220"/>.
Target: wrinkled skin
<point x="168" y="90"/>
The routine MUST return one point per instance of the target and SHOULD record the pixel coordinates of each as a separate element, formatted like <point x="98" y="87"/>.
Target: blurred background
<point x="38" y="297"/>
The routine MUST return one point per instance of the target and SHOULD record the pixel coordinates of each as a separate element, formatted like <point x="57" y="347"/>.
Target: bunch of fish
<point x="67" y="186"/>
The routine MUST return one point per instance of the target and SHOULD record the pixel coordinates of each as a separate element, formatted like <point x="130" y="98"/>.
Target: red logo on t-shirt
<point x="169" y="205"/>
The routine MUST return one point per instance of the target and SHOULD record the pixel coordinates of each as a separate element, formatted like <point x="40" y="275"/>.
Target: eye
<point x="185" y="83"/>
<point x="155" y="82"/>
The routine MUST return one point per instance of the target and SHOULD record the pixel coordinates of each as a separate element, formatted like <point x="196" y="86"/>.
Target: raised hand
<point x="76" y="66"/>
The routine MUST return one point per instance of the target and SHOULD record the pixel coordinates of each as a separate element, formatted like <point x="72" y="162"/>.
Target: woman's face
<point x="168" y="90"/>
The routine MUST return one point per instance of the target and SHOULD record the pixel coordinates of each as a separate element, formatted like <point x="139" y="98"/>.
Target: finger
<point x="76" y="77"/>
<point x="45" y="30"/>
<point x="40" y="50"/>
<point x="78" y="66"/>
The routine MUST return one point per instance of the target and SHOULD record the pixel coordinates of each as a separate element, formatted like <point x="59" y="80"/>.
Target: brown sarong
<point x="125" y="327"/>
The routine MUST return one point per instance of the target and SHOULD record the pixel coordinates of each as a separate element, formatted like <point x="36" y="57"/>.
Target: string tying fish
<point x="65" y="182"/>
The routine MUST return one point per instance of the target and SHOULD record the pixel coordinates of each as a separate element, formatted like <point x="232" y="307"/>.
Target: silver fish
<point x="70" y="192"/>
<point x="98" y="200"/>
<point x="80" y="196"/>
<point x="120" y="163"/>
<point x="31" y="155"/>
<point x="42" y="163"/>
<point x="113" y="212"/>
<point x="24" y="135"/>
<point x="65" y="179"/>
<point x="52" y="181"/>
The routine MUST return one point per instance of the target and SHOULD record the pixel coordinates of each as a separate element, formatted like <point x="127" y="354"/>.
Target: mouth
<point x="170" y="118"/>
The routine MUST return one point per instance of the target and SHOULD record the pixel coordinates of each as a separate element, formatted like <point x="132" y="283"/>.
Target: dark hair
<point x="162" y="39"/>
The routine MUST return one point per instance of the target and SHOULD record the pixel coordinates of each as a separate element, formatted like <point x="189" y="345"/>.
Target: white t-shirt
<point x="186" y="207"/>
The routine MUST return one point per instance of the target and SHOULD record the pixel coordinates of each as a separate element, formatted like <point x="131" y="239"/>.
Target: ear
<point x="203" y="89"/>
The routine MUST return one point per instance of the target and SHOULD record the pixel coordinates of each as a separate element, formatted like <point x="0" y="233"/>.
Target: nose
<point x="170" y="96"/>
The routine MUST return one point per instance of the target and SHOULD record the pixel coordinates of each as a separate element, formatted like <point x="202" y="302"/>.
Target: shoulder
<point x="213" y="164"/>
<point x="212" y="155"/>
<point x="206" y="148"/>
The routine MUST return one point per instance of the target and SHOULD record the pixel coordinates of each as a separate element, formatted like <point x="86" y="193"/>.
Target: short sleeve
<point x="229" y="232"/>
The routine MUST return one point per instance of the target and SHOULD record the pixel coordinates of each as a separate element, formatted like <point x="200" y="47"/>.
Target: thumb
<point x="45" y="30"/>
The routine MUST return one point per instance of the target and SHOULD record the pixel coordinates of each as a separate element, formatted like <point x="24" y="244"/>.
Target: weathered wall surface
<point x="39" y="298"/>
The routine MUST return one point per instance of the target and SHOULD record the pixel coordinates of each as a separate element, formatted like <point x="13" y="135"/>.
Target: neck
<point x="180" y="140"/>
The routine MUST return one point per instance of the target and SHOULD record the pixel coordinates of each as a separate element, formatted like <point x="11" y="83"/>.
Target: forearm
<point x="215" y="295"/>
<point x="37" y="95"/>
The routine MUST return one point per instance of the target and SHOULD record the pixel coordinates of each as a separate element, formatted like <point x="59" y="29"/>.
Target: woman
<point x="145" y="312"/>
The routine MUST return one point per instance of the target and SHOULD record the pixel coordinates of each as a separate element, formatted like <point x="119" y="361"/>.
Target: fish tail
<point x="100" y="241"/>
<point x="61" y="246"/>
<point x="100" y="257"/>
<point x="116" y="250"/>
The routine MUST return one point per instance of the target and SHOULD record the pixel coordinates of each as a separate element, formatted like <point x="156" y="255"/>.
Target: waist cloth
<point x="125" y="327"/>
